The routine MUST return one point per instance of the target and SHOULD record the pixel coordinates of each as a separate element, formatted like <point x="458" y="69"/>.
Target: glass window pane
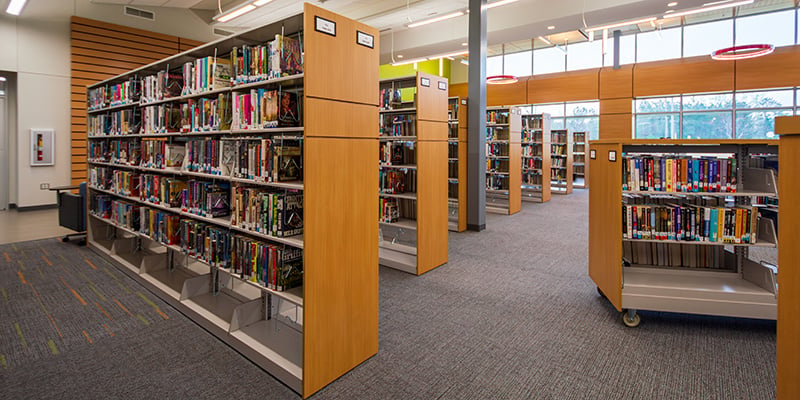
<point x="652" y="46"/>
<point x="585" y="124"/>
<point x="703" y="39"/>
<point x="703" y="102"/>
<point x="557" y="123"/>
<point x="526" y="110"/>
<point x="585" y="55"/>
<point x="657" y="104"/>
<point x="657" y="126"/>
<point x="758" y="124"/>
<point x="627" y="50"/>
<point x="555" y="110"/>
<point x="518" y="64"/>
<point x="583" y="108"/>
<point x="548" y="60"/>
<point x="766" y="99"/>
<point x="494" y="65"/>
<point x="708" y="125"/>
<point x="773" y="28"/>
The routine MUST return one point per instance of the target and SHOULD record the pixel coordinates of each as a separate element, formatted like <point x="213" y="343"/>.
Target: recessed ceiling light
<point x="672" y="4"/>
<point x="399" y="56"/>
<point x="551" y="27"/>
<point x="669" y="11"/>
<point x="437" y="19"/>
<point x="464" y="44"/>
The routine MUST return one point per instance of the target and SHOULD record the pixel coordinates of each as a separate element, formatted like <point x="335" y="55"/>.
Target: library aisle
<point x="512" y="315"/>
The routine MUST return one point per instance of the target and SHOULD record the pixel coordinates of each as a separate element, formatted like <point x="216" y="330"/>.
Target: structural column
<point x="476" y="135"/>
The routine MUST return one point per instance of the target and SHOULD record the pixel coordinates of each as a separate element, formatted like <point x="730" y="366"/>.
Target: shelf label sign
<point x="592" y="154"/>
<point x="442" y="85"/>
<point x="325" y="26"/>
<point x="612" y="155"/>
<point x="425" y="82"/>
<point x="365" y="39"/>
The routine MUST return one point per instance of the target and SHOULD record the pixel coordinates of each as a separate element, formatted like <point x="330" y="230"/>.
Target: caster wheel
<point x="631" y="323"/>
<point x="600" y="292"/>
<point x="65" y="239"/>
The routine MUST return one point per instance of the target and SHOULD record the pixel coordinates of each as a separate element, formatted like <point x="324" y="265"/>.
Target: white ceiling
<point x="516" y="22"/>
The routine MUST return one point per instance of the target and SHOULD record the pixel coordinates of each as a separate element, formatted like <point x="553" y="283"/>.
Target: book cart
<point x="222" y="208"/>
<point x="457" y="163"/>
<point x="535" y="158"/>
<point x="413" y="173"/>
<point x="579" y="164"/>
<point x="671" y="223"/>
<point x="503" y="160"/>
<point x="561" y="161"/>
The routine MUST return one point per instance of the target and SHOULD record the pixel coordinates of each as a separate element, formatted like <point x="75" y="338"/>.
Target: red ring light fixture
<point x="742" y="52"/>
<point x="501" y="79"/>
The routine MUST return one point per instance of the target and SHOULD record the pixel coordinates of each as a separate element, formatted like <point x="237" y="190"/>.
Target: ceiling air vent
<point x="221" y="32"/>
<point x="139" y="13"/>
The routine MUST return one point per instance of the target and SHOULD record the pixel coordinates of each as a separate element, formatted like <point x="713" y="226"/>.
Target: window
<point x="627" y="51"/>
<point x="494" y="66"/>
<point x="657" y="126"/>
<point x="703" y="39"/>
<point x="517" y="64"/>
<point x="548" y="60"/>
<point x="585" y="124"/>
<point x="658" y="45"/>
<point x="707" y="125"/>
<point x="581" y="109"/>
<point x="706" y="102"/>
<point x="555" y="110"/>
<point x="758" y="124"/>
<point x="765" y="99"/>
<point x="577" y="117"/>
<point x="657" y="105"/>
<point x="775" y="28"/>
<point x="585" y="55"/>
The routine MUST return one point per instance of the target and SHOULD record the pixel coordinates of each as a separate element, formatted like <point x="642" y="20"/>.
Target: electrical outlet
<point x="44" y="186"/>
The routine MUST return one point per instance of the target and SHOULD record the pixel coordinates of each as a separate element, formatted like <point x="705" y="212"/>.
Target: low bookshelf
<point x="237" y="190"/>
<point x="503" y="160"/>
<point x="413" y="173"/>
<point x="535" y="150"/>
<point x="560" y="161"/>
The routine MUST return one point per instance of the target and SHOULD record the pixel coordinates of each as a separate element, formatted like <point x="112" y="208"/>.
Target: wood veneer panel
<point x="779" y="69"/>
<point x="788" y="326"/>
<point x="459" y="90"/>
<point x="171" y="43"/>
<point x="514" y="177"/>
<point x="431" y="100"/>
<point x="616" y="126"/>
<point x="568" y="86"/>
<point x="340" y="280"/>
<point x="336" y="67"/>
<point x="120" y="28"/>
<point x="507" y="95"/>
<point x="98" y="68"/>
<point x="110" y="48"/>
<point x="432" y="249"/>
<point x="109" y="41"/>
<point x="112" y="56"/>
<point x="462" y="181"/>
<point x="616" y="106"/>
<point x="431" y="131"/>
<point x="605" y="216"/>
<point x="686" y="75"/>
<point x="615" y="83"/>
<point x="463" y="117"/>
<point x="339" y="119"/>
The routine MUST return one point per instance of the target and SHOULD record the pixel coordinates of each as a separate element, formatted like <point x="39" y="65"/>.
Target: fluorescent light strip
<point x="706" y="9"/>
<point x="437" y="19"/>
<point x="236" y="13"/>
<point x="259" y="3"/>
<point x="621" y="24"/>
<point x="15" y="7"/>
<point x="414" y="61"/>
<point x="542" y="38"/>
<point x="499" y="3"/>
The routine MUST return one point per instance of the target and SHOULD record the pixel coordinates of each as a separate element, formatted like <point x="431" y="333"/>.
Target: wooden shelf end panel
<point x="432" y="208"/>
<point x="340" y="257"/>
<point x="462" y="186"/>
<point x="605" y="230"/>
<point x="330" y="118"/>
<point x="514" y="178"/>
<point x="431" y="98"/>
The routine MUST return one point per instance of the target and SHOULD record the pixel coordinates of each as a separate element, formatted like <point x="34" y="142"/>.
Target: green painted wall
<point x="387" y="71"/>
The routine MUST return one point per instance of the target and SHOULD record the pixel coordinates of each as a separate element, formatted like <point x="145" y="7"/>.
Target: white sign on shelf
<point x="42" y="147"/>
<point x="324" y="25"/>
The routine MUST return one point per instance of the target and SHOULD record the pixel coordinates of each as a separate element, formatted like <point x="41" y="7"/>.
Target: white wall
<point x="36" y="46"/>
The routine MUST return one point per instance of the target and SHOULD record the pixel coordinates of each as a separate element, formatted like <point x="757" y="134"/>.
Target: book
<point x="288" y="160"/>
<point x="288" y="110"/>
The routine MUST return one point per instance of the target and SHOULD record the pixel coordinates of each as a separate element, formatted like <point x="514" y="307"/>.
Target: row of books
<point x="679" y="174"/>
<point x="206" y="74"/>
<point x="497" y="182"/>
<point x="452" y="131"/>
<point x="282" y="56"/>
<point x="558" y="149"/>
<point x="162" y="85"/>
<point x="496" y="117"/>
<point x="398" y="125"/>
<point x="396" y="181"/>
<point x="497" y="149"/>
<point x="558" y="162"/>
<point x="531" y="136"/>
<point x="390" y="99"/>
<point x="535" y="163"/>
<point x="276" y="213"/>
<point x="532" y="123"/>
<point x="114" y="94"/>
<point x="165" y="118"/>
<point x="691" y="223"/>
<point x="496" y="165"/>
<point x="452" y="190"/>
<point x="452" y="150"/>
<point x="391" y="210"/>
<point x="157" y="153"/>
<point x="531" y="178"/>
<point x="123" y="152"/>
<point x="496" y="133"/>
<point x="261" y="109"/>
<point x="452" y="169"/>
<point x="676" y="255"/>
<point x="398" y="153"/>
<point x="531" y="151"/>
<point x="558" y="175"/>
<point x="559" y="136"/>
<point x="119" y="122"/>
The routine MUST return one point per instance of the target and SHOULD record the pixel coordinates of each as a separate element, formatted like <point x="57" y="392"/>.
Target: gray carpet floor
<point x="513" y="315"/>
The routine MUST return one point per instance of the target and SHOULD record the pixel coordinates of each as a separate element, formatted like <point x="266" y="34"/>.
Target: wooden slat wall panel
<point x="100" y="50"/>
<point x="616" y="126"/>
<point x="507" y="95"/>
<point x="459" y="90"/>
<point x="780" y="69"/>
<point x="569" y="86"/>
<point x="616" y="83"/>
<point x="616" y="106"/>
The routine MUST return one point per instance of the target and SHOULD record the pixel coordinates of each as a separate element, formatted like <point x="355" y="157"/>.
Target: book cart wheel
<point x="631" y="319"/>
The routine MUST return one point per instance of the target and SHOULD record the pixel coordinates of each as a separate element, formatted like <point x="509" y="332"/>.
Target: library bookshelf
<point x="457" y="163"/>
<point x="413" y="173"/>
<point x="788" y="326"/>
<point x="560" y="161"/>
<point x="503" y="160"/>
<point x="535" y="152"/>
<point x="579" y="165"/>
<point x="660" y="242"/>
<point x="168" y="205"/>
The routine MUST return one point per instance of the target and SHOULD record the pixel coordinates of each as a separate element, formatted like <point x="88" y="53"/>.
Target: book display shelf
<point x="503" y="160"/>
<point x="413" y="173"/>
<point x="457" y="163"/>
<point x="671" y="223"/>
<point x="535" y="158"/>
<point x="560" y="161"/>
<point x="237" y="180"/>
<point x="579" y="164"/>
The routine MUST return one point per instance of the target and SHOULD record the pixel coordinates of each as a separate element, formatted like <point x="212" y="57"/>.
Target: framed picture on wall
<point x="42" y="147"/>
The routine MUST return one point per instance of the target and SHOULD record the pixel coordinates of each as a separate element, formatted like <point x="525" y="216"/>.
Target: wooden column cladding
<point x="100" y="50"/>
<point x="341" y="199"/>
<point x="788" y="346"/>
<point x="615" y="91"/>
